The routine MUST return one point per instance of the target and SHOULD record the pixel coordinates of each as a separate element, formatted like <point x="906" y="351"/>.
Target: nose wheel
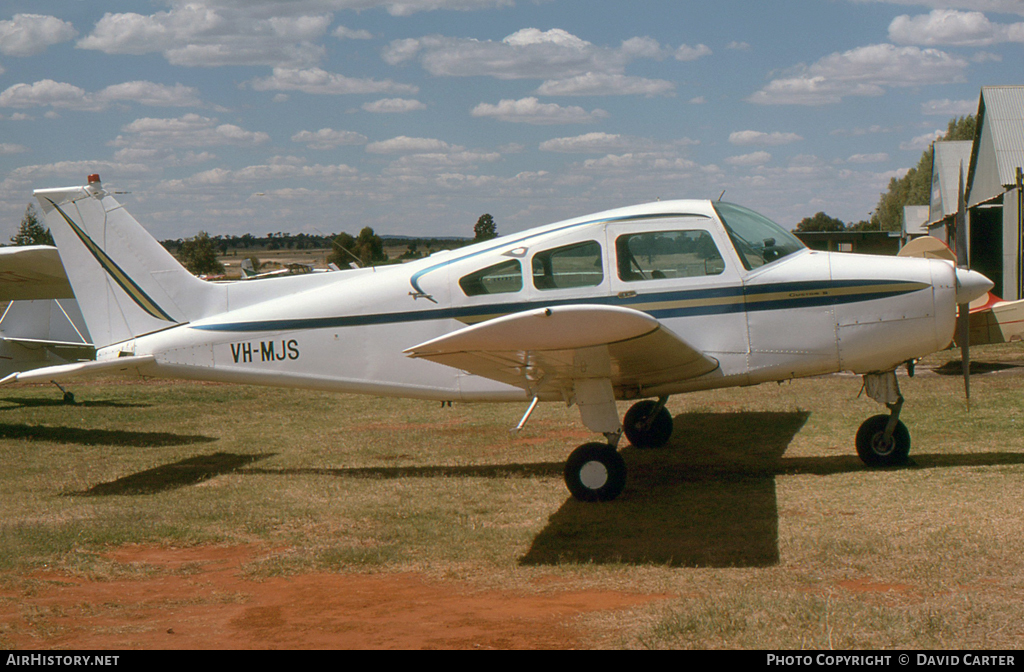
<point x="879" y="448"/>
<point x="883" y="440"/>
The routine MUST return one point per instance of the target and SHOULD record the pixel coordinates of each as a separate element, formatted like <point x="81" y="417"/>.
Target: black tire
<point x="642" y="430"/>
<point x="875" y="451"/>
<point x="69" y="397"/>
<point x="595" y="472"/>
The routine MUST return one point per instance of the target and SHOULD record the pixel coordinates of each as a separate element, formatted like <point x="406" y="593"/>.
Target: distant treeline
<point x="249" y="243"/>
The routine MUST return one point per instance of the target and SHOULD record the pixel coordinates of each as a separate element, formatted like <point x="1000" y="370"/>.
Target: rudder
<point x="126" y="283"/>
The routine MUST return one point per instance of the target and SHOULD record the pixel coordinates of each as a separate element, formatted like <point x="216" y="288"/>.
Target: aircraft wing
<point x="32" y="272"/>
<point x="543" y="351"/>
<point x="999" y="322"/>
<point x="69" y="350"/>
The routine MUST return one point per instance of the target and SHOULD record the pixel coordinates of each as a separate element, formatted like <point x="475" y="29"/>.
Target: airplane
<point x="294" y="268"/>
<point x="637" y="303"/>
<point x="990" y="318"/>
<point x="41" y="324"/>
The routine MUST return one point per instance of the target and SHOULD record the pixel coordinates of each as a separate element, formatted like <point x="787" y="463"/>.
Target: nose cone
<point x="970" y="285"/>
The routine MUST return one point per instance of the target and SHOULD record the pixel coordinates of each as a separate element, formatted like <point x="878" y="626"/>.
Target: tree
<point x="820" y="222"/>
<point x="485" y="228"/>
<point x="199" y="255"/>
<point x="368" y="248"/>
<point x="915" y="187"/>
<point x="31" y="232"/>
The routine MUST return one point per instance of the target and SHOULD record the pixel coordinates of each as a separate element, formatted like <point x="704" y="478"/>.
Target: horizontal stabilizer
<point x="130" y="366"/>
<point x="544" y="351"/>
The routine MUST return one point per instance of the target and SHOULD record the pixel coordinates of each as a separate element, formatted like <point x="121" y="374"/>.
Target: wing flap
<point x="545" y="350"/>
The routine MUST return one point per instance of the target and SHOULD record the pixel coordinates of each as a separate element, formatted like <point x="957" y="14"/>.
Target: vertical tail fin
<point x="126" y="283"/>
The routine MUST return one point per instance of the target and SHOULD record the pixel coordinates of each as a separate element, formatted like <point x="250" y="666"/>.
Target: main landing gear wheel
<point x="595" y="472"/>
<point x="648" y="424"/>
<point x="878" y="451"/>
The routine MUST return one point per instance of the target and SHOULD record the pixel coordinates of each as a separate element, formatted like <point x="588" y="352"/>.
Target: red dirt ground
<point x="197" y="598"/>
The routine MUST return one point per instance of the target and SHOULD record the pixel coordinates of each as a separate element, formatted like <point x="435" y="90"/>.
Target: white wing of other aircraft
<point x="41" y="326"/>
<point x="637" y="303"/>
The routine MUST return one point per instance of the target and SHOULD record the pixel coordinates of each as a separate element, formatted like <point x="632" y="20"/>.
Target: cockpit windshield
<point x="757" y="239"/>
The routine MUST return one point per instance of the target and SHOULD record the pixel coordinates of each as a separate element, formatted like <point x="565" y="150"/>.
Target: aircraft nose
<point x="970" y="285"/>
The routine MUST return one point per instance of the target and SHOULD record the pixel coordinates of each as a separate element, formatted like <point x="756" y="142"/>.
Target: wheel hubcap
<point x="880" y="446"/>
<point x="594" y="475"/>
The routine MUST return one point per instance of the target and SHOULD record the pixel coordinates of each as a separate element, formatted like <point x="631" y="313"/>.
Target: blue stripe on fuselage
<point x="714" y="301"/>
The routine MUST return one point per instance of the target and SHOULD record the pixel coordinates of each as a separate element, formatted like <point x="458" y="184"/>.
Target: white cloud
<point x="608" y="142"/>
<point x="406" y="145"/>
<point x="343" y="33"/>
<point x="864" y="71"/>
<point x="31" y="34"/>
<point x="9" y="148"/>
<point x="68" y="96"/>
<point x="47" y="92"/>
<point x="328" y="138"/>
<point x="532" y="111"/>
<point x="190" y="130"/>
<point x="588" y="142"/>
<point x="318" y="81"/>
<point x="155" y="95"/>
<point x="922" y="142"/>
<point x="951" y="27"/>
<point x="197" y="34"/>
<point x="752" y="159"/>
<point x="997" y="6"/>
<point x="738" y="46"/>
<point x="949" y="108"/>
<point x="526" y="54"/>
<point x="438" y="162"/>
<point x="606" y="84"/>
<point x="393" y="106"/>
<point x="761" y="138"/>
<point x="688" y="53"/>
<point x="878" y="157"/>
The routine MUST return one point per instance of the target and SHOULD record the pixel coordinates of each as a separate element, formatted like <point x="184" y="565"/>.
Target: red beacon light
<point x="94" y="178"/>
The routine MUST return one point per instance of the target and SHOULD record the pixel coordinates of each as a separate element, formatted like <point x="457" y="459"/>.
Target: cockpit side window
<point x="757" y="239"/>
<point x="576" y="265"/>
<point x="502" y="278"/>
<point x="659" y="255"/>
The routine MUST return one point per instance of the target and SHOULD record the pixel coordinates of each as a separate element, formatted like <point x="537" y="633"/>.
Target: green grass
<point x="757" y="520"/>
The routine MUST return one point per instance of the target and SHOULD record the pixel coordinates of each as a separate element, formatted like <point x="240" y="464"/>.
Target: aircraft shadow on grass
<point x="35" y="402"/>
<point x="708" y="499"/>
<point x="101" y="437"/>
<point x="191" y="471"/>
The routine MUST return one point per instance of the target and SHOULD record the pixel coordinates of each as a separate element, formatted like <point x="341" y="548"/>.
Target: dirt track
<point x="196" y="598"/>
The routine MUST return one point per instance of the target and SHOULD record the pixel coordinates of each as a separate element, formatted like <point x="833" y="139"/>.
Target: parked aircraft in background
<point x="294" y="268"/>
<point x="637" y="303"/>
<point x="991" y="319"/>
<point x="40" y="324"/>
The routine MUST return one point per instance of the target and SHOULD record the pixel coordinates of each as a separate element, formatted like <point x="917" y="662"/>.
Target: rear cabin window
<point x="502" y="278"/>
<point x="578" y="265"/>
<point x="657" y="255"/>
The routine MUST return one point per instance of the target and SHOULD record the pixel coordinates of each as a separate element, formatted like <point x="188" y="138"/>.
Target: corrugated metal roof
<point x="946" y="176"/>
<point x="1004" y="109"/>
<point x="998" y="142"/>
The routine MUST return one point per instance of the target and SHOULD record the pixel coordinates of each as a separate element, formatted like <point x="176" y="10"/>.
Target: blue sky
<point x="417" y="116"/>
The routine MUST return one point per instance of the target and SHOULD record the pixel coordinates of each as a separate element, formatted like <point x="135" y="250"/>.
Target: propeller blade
<point x="963" y="330"/>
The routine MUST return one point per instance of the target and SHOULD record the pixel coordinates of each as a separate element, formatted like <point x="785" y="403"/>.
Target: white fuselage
<point x="808" y="313"/>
